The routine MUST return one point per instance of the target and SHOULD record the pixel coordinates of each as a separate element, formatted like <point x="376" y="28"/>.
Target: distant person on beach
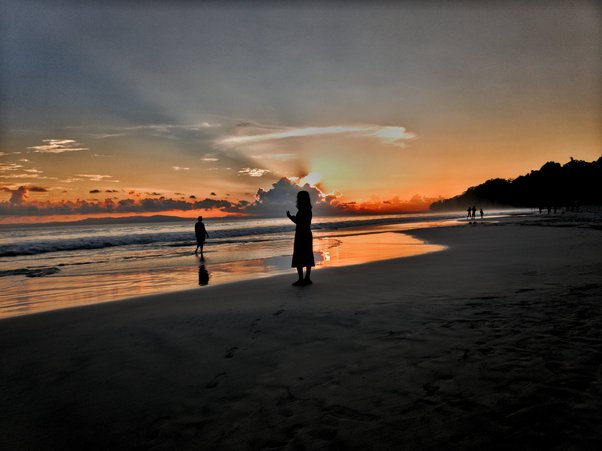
<point x="481" y="211"/>
<point x="474" y="212"/>
<point x="201" y="234"/>
<point x="469" y="210"/>
<point x="303" y="253"/>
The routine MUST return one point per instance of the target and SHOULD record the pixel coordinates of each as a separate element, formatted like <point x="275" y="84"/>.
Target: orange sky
<point x="388" y="107"/>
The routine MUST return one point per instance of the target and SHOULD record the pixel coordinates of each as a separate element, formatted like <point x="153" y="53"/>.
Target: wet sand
<point x="91" y="283"/>
<point x="494" y="343"/>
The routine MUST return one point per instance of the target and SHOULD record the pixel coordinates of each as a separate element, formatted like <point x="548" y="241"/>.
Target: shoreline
<point x="74" y="285"/>
<point x="110" y="282"/>
<point x="492" y="343"/>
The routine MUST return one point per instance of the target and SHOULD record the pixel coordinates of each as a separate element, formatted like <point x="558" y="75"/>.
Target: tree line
<point x="553" y="185"/>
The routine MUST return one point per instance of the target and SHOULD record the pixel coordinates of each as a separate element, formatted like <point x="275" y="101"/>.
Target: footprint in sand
<point x="279" y="312"/>
<point x="215" y="382"/>
<point x="430" y="389"/>
<point x="230" y="353"/>
<point x="256" y="330"/>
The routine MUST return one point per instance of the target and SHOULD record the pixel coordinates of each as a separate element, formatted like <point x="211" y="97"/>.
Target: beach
<point x="493" y="343"/>
<point x="46" y="267"/>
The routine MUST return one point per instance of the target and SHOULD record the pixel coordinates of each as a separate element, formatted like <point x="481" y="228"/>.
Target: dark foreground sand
<point x="495" y="343"/>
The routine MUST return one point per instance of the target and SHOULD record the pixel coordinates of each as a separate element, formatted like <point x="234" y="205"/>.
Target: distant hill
<point x="107" y="220"/>
<point x="552" y="185"/>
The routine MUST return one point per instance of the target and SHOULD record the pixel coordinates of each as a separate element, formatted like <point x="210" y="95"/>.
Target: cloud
<point x="392" y="135"/>
<point x="58" y="146"/>
<point x="180" y="168"/>
<point x="254" y="172"/>
<point x="95" y="177"/>
<point x="395" y="136"/>
<point x="19" y="206"/>
<point x="282" y="196"/>
<point x="94" y="191"/>
<point x="90" y="178"/>
<point x="172" y="131"/>
<point x="27" y="176"/>
<point x="19" y="195"/>
<point x="394" y="205"/>
<point x="210" y="159"/>
<point x="272" y="202"/>
<point x="9" y="171"/>
<point x="209" y="125"/>
<point x="6" y="167"/>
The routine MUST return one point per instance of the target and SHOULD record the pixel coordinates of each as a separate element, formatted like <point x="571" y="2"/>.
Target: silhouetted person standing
<point x="469" y="210"/>
<point x="474" y="212"/>
<point x="201" y="234"/>
<point x="481" y="211"/>
<point x="303" y="252"/>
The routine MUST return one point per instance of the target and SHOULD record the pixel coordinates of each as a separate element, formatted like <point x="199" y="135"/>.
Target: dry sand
<point x="495" y="343"/>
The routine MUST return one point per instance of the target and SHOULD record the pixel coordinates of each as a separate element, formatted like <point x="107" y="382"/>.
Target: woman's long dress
<point x="303" y="251"/>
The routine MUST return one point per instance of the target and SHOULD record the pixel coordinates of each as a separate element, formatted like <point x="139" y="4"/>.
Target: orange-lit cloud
<point x="268" y="203"/>
<point x="254" y="172"/>
<point x="58" y="146"/>
<point x="90" y="178"/>
<point x="17" y="171"/>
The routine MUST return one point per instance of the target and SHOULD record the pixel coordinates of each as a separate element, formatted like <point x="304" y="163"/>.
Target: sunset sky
<point x="171" y="107"/>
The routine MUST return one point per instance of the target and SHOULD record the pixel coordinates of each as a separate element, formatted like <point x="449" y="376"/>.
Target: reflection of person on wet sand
<point x="203" y="275"/>
<point x="303" y="254"/>
<point x="201" y="233"/>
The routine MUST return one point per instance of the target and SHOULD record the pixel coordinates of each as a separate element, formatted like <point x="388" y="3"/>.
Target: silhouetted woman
<point x="303" y="252"/>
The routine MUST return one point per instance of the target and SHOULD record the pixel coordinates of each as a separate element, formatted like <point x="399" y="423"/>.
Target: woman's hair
<point x="303" y="200"/>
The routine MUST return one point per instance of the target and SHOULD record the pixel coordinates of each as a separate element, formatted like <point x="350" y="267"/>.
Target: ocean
<point x="57" y="266"/>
